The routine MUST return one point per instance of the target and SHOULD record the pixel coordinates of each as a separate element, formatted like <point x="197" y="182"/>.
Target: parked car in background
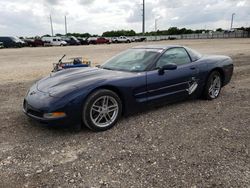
<point x="229" y="31"/>
<point x="53" y="41"/>
<point x="172" y="38"/>
<point x="102" y="40"/>
<point x="20" y="41"/>
<point x="92" y="40"/>
<point x="71" y="40"/>
<point x="140" y="39"/>
<point x="83" y="41"/>
<point x="1" y="45"/>
<point x="121" y="39"/>
<point x="11" y="42"/>
<point x="35" y="42"/>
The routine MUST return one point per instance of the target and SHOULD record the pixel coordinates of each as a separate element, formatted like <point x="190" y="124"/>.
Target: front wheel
<point x="102" y="110"/>
<point x="213" y="86"/>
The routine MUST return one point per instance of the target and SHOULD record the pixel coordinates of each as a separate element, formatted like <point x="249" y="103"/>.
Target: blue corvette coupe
<point x="129" y="82"/>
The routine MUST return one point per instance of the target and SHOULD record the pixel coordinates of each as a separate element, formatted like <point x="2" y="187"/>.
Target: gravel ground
<point x="194" y="143"/>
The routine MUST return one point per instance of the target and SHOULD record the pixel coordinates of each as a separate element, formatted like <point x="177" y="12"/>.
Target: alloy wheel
<point x="215" y="86"/>
<point x="104" y="111"/>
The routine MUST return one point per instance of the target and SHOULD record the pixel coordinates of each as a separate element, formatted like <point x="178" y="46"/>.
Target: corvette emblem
<point x="32" y="93"/>
<point x="192" y="86"/>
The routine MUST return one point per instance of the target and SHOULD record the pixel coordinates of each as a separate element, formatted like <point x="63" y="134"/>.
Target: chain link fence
<point x="215" y="35"/>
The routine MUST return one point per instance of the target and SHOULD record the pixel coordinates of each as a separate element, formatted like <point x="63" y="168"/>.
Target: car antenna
<point x="60" y="60"/>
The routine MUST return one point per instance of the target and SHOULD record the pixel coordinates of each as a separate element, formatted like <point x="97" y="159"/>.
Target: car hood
<point x="63" y="82"/>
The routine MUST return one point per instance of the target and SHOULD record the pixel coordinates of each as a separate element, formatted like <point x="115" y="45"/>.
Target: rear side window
<point x="178" y="56"/>
<point x="193" y="54"/>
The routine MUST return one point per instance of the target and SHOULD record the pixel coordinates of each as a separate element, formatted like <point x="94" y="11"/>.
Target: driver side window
<point x="178" y="56"/>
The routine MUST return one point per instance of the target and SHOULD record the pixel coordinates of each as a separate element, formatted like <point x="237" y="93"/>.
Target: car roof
<point x="6" y="37"/>
<point x="162" y="47"/>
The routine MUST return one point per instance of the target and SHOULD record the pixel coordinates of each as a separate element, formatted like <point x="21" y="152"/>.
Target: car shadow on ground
<point x="28" y="123"/>
<point x="59" y="129"/>
<point x="157" y="107"/>
<point x="144" y="111"/>
<point x="69" y="130"/>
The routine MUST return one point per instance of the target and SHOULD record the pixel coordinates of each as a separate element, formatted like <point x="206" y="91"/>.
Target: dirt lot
<point x="194" y="143"/>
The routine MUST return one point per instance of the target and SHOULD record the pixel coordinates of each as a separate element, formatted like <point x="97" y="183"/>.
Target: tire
<point x="213" y="86"/>
<point x="101" y="110"/>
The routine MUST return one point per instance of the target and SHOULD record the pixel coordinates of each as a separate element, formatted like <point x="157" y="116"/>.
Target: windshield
<point x="16" y="39"/>
<point x="132" y="60"/>
<point x="74" y="38"/>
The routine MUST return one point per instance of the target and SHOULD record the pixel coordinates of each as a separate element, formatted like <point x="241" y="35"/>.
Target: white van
<point x="54" y="41"/>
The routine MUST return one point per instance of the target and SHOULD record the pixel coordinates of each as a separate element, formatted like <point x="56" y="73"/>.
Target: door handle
<point x="192" y="68"/>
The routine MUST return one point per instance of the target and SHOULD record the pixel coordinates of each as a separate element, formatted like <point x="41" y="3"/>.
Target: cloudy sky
<point x="31" y="17"/>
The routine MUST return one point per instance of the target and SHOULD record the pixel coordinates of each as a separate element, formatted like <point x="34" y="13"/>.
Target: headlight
<point x="54" y="115"/>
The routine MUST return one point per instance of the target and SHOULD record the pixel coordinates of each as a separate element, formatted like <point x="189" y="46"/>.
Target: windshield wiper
<point x="106" y="68"/>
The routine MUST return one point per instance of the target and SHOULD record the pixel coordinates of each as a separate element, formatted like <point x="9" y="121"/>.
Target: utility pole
<point x="156" y="26"/>
<point x="66" y="26"/>
<point x="232" y="20"/>
<point x="51" y="25"/>
<point x="156" y="20"/>
<point x="143" y="17"/>
<point x="156" y="29"/>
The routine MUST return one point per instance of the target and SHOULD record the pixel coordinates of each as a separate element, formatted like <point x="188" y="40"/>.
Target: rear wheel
<point x="102" y="110"/>
<point x="213" y="86"/>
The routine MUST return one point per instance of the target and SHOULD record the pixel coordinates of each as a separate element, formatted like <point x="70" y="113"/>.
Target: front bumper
<point x="37" y="115"/>
<point x="36" y="103"/>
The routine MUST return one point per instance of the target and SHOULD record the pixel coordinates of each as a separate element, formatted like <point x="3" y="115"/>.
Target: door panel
<point x="173" y="84"/>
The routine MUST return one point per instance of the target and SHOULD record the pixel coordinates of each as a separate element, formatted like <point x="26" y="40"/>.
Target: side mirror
<point x="98" y="66"/>
<point x="170" y="66"/>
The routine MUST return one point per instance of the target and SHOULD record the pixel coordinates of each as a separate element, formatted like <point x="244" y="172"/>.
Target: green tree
<point x="219" y="30"/>
<point x="119" y="33"/>
<point x="47" y="35"/>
